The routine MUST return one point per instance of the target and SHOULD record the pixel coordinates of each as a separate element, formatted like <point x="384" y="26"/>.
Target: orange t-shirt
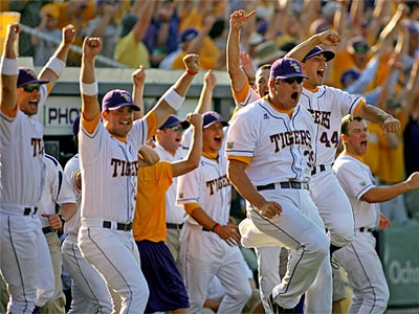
<point x="150" y="209"/>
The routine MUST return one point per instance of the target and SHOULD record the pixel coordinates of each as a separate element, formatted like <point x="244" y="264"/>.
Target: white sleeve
<point x="354" y="179"/>
<point x="188" y="188"/>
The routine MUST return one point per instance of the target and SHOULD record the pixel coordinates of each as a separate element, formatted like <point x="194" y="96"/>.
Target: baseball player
<point x="56" y="192"/>
<point x="167" y="289"/>
<point x="172" y="145"/>
<point x="359" y="258"/>
<point x="208" y="243"/>
<point x="243" y="93"/>
<point x="270" y="151"/>
<point x="88" y="289"/>
<point x="108" y="160"/>
<point x="22" y="179"/>
<point x="328" y="105"/>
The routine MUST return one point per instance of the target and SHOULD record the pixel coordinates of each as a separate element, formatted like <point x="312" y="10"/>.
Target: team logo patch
<point x="230" y="145"/>
<point x="265" y="116"/>
<point x="363" y="184"/>
<point x="180" y="195"/>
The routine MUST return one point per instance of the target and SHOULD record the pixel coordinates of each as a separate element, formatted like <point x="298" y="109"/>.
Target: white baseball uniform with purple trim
<point x="359" y="258"/>
<point x="88" y="289"/>
<point x="281" y="151"/>
<point x="56" y="192"/>
<point x="328" y="105"/>
<point x="22" y="180"/>
<point x="109" y="176"/>
<point x="203" y="253"/>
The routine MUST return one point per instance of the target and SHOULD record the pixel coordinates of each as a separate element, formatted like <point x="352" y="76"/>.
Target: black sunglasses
<point x="176" y="128"/>
<point x="31" y="88"/>
<point x="291" y="80"/>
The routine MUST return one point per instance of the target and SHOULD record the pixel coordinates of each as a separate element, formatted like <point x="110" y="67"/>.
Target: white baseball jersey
<point x="174" y="214"/>
<point x="208" y="186"/>
<point x="110" y="168"/>
<point x="359" y="258"/>
<point x="57" y="190"/>
<point x="22" y="178"/>
<point x="71" y="168"/>
<point x="285" y="153"/>
<point x="356" y="179"/>
<point x="328" y="105"/>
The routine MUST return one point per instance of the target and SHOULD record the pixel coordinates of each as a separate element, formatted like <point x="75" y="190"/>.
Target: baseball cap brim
<point x="184" y="124"/>
<point x="281" y="77"/>
<point x="127" y="104"/>
<point x="223" y="123"/>
<point x="32" y="82"/>
<point x="328" y="54"/>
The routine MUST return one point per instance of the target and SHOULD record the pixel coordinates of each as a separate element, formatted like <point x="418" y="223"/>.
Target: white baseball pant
<point x="88" y="289"/>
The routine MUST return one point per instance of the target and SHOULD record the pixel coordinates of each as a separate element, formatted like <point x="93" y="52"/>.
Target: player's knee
<point x="383" y="298"/>
<point x="243" y="294"/>
<point x="321" y="246"/>
<point x="342" y="237"/>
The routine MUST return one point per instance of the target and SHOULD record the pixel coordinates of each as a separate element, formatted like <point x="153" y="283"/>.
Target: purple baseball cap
<point x="116" y="99"/>
<point x="188" y="34"/>
<point x="28" y="76"/>
<point x="173" y="120"/>
<point x="212" y="117"/>
<point x="285" y="68"/>
<point x="328" y="54"/>
<point x="76" y="125"/>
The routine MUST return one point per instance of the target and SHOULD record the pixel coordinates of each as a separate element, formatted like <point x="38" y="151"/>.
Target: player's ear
<point x="105" y="115"/>
<point x="344" y="138"/>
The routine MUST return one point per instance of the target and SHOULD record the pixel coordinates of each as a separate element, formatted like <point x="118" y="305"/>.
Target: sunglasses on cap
<point x="175" y="128"/>
<point x="291" y="80"/>
<point x="30" y="88"/>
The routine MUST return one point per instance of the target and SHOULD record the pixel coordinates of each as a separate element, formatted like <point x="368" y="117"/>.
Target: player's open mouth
<point x="217" y="139"/>
<point x="294" y="96"/>
<point x="364" y="143"/>
<point x="33" y="102"/>
<point x="321" y="72"/>
<point x="125" y="122"/>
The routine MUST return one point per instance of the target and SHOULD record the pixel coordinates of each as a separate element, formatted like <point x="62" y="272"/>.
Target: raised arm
<point x="138" y="78"/>
<point x="56" y="64"/>
<point x="373" y="114"/>
<point x="238" y="78"/>
<point x="9" y="69"/>
<point x="194" y="155"/>
<point x="88" y="85"/>
<point x="174" y="97"/>
<point x="329" y="38"/>
<point x="205" y="99"/>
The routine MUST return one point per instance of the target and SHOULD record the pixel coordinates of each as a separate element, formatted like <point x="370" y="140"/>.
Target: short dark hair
<point x="345" y="123"/>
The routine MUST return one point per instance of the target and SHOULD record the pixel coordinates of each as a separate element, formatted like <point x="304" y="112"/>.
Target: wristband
<point x="192" y="73"/>
<point x="173" y="99"/>
<point x="89" y="89"/>
<point x="56" y="65"/>
<point x="216" y="228"/>
<point x="9" y="66"/>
